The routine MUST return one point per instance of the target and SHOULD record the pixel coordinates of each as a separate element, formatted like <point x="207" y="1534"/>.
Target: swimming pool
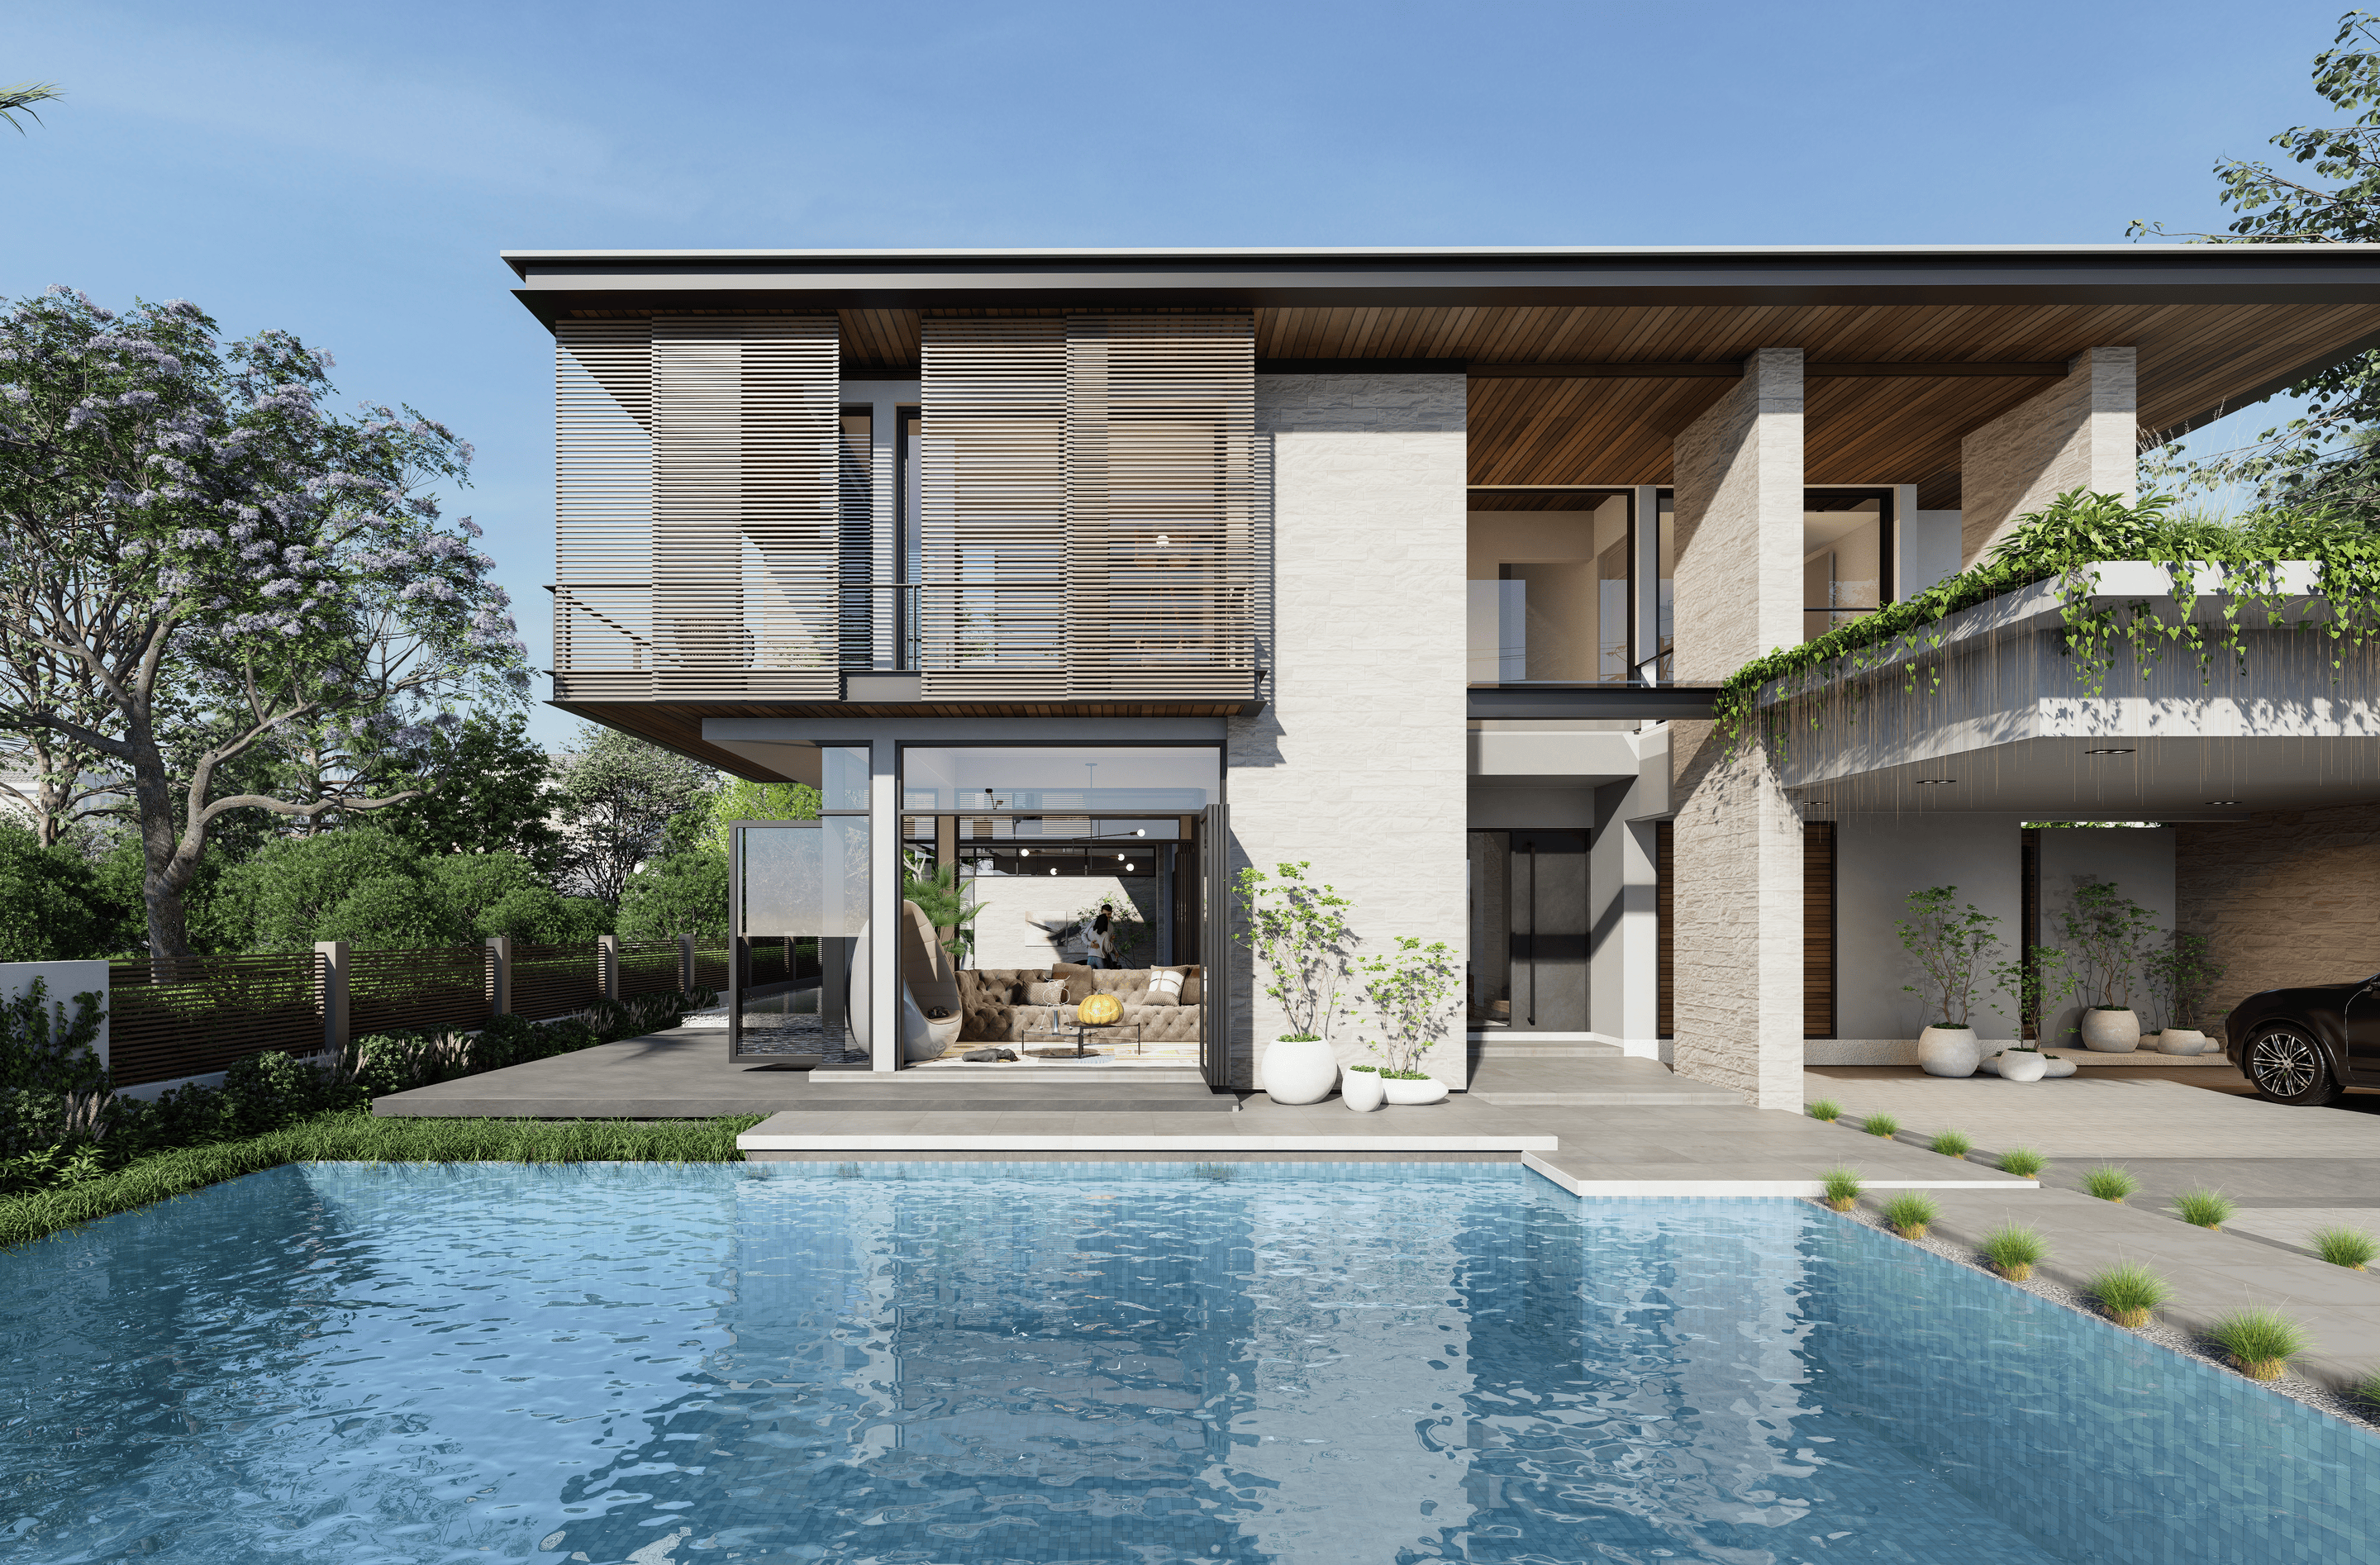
<point x="1142" y="1364"/>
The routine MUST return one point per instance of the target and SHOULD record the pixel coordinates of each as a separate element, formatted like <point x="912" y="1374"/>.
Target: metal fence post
<point x="331" y="958"/>
<point x="686" y="963"/>
<point x="607" y="965"/>
<point x="500" y="975"/>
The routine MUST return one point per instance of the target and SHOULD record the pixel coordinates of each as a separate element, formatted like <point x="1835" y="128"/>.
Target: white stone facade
<point x="2082" y="434"/>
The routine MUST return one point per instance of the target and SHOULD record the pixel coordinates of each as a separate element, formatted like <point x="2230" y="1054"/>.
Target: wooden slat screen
<point x="710" y="963"/>
<point x="1161" y="505"/>
<point x="1665" y="945"/>
<point x="396" y="991"/>
<point x="993" y="522"/>
<point x="603" y="509"/>
<point x="868" y="569"/>
<point x="555" y="980"/>
<point x="169" y="1018"/>
<point x="747" y="429"/>
<point x="1818" y="928"/>
<point x="648" y="967"/>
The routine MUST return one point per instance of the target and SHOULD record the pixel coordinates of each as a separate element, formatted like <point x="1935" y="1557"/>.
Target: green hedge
<point x="357" y="1138"/>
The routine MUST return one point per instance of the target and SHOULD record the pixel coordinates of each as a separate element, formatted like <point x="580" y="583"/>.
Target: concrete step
<point x="960" y="1102"/>
<point x="1591" y="1084"/>
<point x="1685" y="1097"/>
<point x="971" y="1077"/>
<point x="1516" y="1050"/>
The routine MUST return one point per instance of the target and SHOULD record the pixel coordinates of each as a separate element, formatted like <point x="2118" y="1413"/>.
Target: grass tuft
<point x="2014" y="1250"/>
<point x="1953" y="1144"/>
<point x="1826" y="1109"/>
<point x="2129" y="1292"/>
<point x="1881" y="1124"/>
<point x="2109" y="1183"/>
<point x="2261" y="1341"/>
<point x="351" y="1137"/>
<point x="2368" y="1389"/>
<point x="1843" y="1187"/>
<point x="2023" y="1162"/>
<point x="2349" y="1247"/>
<point x="2204" y="1209"/>
<point x="1910" y="1212"/>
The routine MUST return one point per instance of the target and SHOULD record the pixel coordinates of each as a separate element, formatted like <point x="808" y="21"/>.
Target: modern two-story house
<point x="1099" y="576"/>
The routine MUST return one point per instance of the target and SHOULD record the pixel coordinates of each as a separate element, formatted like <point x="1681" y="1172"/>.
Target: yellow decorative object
<point x="1100" y="1011"/>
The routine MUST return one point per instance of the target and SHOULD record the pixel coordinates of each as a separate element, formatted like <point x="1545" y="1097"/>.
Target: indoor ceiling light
<point x="1127" y="868"/>
<point x="1925" y="782"/>
<point x="1053" y="869"/>
<point x="2107" y="752"/>
<point x="1119" y="859"/>
<point x="1026" y="853"/>
<point x="2225" y="803"/>
<point x="1142" y="833"/>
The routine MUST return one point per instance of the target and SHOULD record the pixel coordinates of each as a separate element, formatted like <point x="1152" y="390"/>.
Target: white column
<point x="883" y="907"/>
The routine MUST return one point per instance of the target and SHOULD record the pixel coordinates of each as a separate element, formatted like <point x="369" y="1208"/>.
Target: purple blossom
<point x="469" y="525"/>
<point x="199" y="538"/>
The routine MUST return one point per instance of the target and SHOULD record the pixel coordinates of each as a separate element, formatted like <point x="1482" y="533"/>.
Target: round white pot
<point x="2110" y="1031"/>
<point x="2057" y="1068"/>
<point x="1430" y="1091"/>
<point x="1299" y="1071"/>
<point x="1362" y="1090"/>
<point x="2017" y="1065"/>
<point x="2181" y="1040"/>
<point x="1948" y="1051"/>
<point x="1989" y="1065"/>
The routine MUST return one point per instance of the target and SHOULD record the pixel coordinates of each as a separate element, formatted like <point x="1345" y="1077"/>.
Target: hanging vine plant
<point x="2066" y="543"/>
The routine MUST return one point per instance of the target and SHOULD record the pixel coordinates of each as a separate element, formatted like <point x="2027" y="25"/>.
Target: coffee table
<point x="1077" y="1033"/>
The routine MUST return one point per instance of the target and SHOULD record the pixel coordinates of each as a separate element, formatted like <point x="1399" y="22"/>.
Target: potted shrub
<point x="1949" y="946"/>
<point x="1362" y="1090"/>
<point x="2023" y="1063"/>
<point x="2038" y="982"/>
<point x="1411" y="989"/>
<point x="2109" y="933"/>
<point x="1298" y="929"/>
<point x="2181" y="977"/>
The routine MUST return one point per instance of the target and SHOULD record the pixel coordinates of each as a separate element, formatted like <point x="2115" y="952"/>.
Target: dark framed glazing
<point x="798" y="910"/>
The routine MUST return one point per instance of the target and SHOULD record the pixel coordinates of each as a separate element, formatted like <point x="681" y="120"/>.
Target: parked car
<point x="2307" y="1045"/>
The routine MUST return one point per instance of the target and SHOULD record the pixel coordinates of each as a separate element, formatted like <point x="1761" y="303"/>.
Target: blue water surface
<point x="918" y="1364"/>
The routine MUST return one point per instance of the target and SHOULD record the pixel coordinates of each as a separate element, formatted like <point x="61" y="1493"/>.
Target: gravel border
<point x="2322" y="1399"/>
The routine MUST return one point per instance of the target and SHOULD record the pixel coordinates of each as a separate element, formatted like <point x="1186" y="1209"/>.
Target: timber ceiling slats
<point x="992" y="528"/>
<point x="745" y="482"/>
<point x="1161" y="504"/>
<point x="603" y="497"/>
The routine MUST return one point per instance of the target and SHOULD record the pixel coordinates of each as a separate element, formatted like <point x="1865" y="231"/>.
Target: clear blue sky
<point x="349" y="172"/>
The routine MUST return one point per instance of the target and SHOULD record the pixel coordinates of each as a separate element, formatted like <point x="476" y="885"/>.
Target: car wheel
<point x="2288" y="1066"/>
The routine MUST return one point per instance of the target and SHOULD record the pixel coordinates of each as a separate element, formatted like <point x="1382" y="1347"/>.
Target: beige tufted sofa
<point x="993" y="1009"/>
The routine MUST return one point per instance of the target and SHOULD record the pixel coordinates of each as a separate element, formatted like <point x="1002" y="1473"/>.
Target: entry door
<point x="1214" y="830"/>
<point x="1548" y="899"/>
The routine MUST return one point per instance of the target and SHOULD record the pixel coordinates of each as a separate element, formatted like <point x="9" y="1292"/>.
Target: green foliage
<point x="1951" y="946"/>
<point x="487" y="790"/>
<point x="682" y="893"/>
<point x="376" y="891"/>
<point x="1298" y="929"/>
<point x="53" y="907"/>
<point x="1842" y="1187"/>
<point x="2261" y="1341"/>
<point x="1953" y="1144"/>
<point x="2023" y="1162"/>
<point x="353" y="1138"/>
<point x="50" y="1076"/>
<point x="946" y="904"/>
<point x="2204" y="1209"/>
<point x="2109" y="1183"/>
<point x="2350" y="1247"/>
<point x="1909" y="1213"/>
<point x="2109" y="933"/>
<point x="20" y="98"/>
<point x="2130" y="1292"/>
<point x="1825" y="1108"/>
<point x="2064" y="543"/>
<point x="740" y="798"/>
<point x="2183" y="975"/>
<point x="617" y="794"/>
<point x="1411" y="990"/>
<point x="2038" y="982"/>
<point x="2014" y="1250"/>
<point x="1883" y="1126"/>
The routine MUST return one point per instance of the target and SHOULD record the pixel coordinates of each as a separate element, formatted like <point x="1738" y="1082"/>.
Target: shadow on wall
<point x="2285" y="898"/>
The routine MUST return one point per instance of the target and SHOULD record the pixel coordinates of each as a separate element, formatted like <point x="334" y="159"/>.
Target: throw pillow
<point x="1164" y="987"/>
<point x="1045" y="994"/>
<point x="1080" y="983"/>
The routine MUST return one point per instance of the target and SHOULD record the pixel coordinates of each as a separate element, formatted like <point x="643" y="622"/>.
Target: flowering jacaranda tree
<point x="224" y="564"/>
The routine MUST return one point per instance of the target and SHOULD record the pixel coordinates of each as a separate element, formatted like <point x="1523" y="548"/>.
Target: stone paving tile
<point x="2292" y="1225"/>
<point x="2106" y="1120"/>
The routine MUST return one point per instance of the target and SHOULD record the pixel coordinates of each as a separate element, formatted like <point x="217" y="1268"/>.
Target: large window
<point x="1548" y="595"/>
<point x="1846" y="557"/>
<point x="1063" y="779"/>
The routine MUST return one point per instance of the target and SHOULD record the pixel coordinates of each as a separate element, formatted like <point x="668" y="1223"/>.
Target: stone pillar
<point x="883" y="975"/>
<point x="607" y="965"/>
<point x="1737" y="903"/>
<point x="2080" y="434"/>
<point x="332" y="956"/>
<point x="500" y="975"/>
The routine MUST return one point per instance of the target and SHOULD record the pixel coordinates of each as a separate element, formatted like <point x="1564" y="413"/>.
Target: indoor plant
<point x="2181" y="976"/>
<point x="1298" y="929"/>
<point x="1411" y="989"/>
<point x="2108" y="933"/>
<point x="1951" y="947"/>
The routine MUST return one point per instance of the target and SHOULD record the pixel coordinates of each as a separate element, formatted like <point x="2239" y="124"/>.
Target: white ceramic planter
<point x="1299" y="1071"/>
<point x="2110" y="1031"/>
<point x="1409" y="1092"/>
<point x="2181" y="1040"/>
<point x="2018" y="1066"/>
<point x="1989" y="1065"/>
<point x="1362" y="1090"/>
<point x="2057" y="1068"/>
<point x="1948" y="1051"/>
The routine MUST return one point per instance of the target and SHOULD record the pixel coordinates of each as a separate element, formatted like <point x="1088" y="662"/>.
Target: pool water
<point x="915" y="1364"/>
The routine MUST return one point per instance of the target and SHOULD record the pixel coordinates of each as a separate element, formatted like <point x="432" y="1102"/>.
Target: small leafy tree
<point x="2183" y="975"/>
<point x="2109" y="934"/>
<point x="50" y="1076"/>
<point x="1298" y="929"/>
<point x="618" y="794"/>
<point x="1951" y="947"/>
<point x="2038" y="982"/>
<point x="1412" y="989"/>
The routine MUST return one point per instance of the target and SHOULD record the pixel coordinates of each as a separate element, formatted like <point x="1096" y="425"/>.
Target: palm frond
<point x="23" y="96"/>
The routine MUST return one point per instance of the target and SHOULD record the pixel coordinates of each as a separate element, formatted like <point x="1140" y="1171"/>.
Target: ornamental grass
<point x="2204" y="1209"/>
<point x="1881" y="1125"/>
<point x="2350" y="1247"/>
<point x="2023" y="1162"/>
<point x="1842" y="1187"/>
<point x="1953" y="1144"/>
<point x="2129" y="1292"/>
<point x="2109" y="1183"/>
<point x="2260" y="1340"/>
<point x="1826" y="1109"/>
<point x="1910" y="1212"/>
<point x="2014" y="1250"/>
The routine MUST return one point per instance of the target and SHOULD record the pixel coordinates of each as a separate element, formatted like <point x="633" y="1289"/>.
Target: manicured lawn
<point x="356" y="1137"/>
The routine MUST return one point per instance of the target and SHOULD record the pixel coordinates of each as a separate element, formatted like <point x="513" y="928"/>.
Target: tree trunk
<point x="165" y="872"/>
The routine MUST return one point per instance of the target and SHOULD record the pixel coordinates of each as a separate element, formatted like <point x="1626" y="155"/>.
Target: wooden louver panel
<point x="603" y="502"/>
<point x="1818" y="928"/>
<point x="1161" y="507"/>
<point x="748" y="430"/>
<point x="992" y="509"/>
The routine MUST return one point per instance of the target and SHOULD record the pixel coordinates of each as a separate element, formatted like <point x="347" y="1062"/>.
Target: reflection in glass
<point x="801" y="909"/>
<point x="1666" y="642"/>
<point x="1548" y="594"/>
<point x="1063" y="779"/>
<point x="1843" y="558"/>
<point x="842" y="777"/>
